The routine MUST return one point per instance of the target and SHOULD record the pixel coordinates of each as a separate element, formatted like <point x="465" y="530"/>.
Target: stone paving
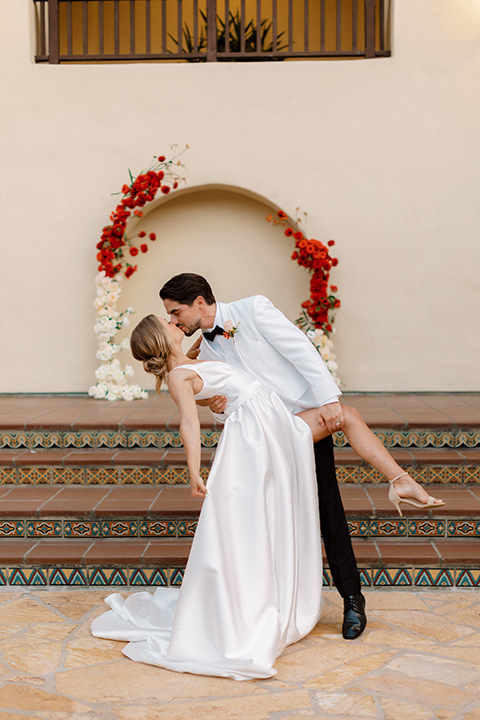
<point x="419" y="659"/>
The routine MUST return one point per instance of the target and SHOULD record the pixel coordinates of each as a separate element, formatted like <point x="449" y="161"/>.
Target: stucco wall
<point x="382" y="154"/>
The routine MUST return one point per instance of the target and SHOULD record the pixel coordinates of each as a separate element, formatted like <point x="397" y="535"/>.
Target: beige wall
<point x="382" y="154"/>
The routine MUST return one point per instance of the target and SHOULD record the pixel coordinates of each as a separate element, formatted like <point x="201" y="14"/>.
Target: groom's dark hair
<point x="184" y="288"/>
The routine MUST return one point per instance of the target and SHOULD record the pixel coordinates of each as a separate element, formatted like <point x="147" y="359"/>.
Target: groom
<point x="279" y="354"/>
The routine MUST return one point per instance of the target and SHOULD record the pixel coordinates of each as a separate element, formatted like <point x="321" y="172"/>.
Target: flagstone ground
<point x="419" y="659"/>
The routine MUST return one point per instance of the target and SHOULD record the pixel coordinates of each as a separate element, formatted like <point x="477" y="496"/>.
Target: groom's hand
<point x="331" y="416"/>
<point x="217" y="404"/>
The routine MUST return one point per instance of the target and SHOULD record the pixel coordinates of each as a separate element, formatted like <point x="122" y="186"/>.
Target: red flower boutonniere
<point x="229" y="329"/>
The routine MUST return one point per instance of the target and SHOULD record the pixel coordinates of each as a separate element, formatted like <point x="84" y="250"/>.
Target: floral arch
<point x="119" y="254"/>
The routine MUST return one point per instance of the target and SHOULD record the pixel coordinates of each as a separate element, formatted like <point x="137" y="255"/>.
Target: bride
<point x="253" y="580"/>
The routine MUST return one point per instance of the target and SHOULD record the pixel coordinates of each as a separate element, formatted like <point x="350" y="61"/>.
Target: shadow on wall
<point x="219" y="232"/>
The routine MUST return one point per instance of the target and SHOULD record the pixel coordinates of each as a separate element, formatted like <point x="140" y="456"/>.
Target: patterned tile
<point x="347" y="474"/>
<point x="13" y="439"/>
<point x="468" y="578"/>
<point x="446" y="474"/>
<point x="422" y="528"/>
<point x="136" y="476"/>
<point x="69" y="476"/>
<point x="463" y="528"/>
<point x="365" y="576"/>
<point x="8" y="475"/>
<point x="27" y="576"/>
<point x="150" y="576"/>
<point x="392" y="577"/>
<point x="327" y="578"/>
<point x="147" y="439"/>
<point x="469" y="438"/>
<point x="173" y="475"/>
<point x="33" y="475"/>
<point x="368" y="474"/>
<point x="102" y="476"/>
<point x="388" y="528"/>
<point x="159" y="528"/>
<point x="434" y="577"/>
<point x="186" y="528"/>
<point x="471" y="474"/>
<point x="115" y="529"/>
<point x="109" y="576"/>
<point x="354" y="527"/>
<point x="82" y="529"/>
<point x="176" y="576"/>
<point x="12" y="528"/>
<point x="45" y="439"/>
<point x="3" y="577"/>
<point x="44" y="528"/>
<point x="68" y="576"/>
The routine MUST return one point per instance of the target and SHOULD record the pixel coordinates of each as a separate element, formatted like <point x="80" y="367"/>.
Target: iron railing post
<point x="370" y="28"/>
<point x="212" y="30"/>
<point x="53" y="33"/>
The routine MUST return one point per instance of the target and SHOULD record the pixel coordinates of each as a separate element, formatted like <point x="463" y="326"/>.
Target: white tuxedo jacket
<point x="275" y="351"/>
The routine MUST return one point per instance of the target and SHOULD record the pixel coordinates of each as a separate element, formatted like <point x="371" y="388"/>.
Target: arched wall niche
<point x="220" y="232"/>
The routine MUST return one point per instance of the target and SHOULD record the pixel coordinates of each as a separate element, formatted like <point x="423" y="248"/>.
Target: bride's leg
<point x="366" y="444"/>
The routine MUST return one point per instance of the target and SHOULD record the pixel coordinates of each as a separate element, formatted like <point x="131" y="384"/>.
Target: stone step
<point x="150" y="511"/>
<point x="401" y="419"/>
<point x="452" y="562"/>
<point x="90" y="466"/>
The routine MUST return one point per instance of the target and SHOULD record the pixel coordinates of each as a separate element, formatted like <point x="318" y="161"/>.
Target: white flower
<point x="125" y="321"/>
<point x="105" y="354"/>
<point x="125" y="344"/>
<point x="310" y="334"/>
<point x="127" y="393"/>
<point x="118" y="376"/>
<point x="129" y="370"/>
<point x="100" y="373"/>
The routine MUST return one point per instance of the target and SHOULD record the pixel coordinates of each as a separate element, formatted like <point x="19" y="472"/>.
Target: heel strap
<point x="397" y="478"/>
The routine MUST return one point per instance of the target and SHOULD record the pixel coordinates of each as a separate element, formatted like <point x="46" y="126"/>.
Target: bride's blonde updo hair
<point x="150" y="343"/>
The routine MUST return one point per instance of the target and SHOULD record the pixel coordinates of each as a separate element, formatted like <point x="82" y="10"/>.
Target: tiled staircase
<point x="95" y="493"/>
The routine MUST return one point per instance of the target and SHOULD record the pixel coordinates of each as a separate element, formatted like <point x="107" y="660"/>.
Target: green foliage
<point x="235" y="38"/>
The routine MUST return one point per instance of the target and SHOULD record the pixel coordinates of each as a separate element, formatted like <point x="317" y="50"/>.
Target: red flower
<point x="288" y="232"/>
<point x="328" y="328"/>
<point x="165" y="189"/>
<point x="333" y="288"/>
<point x="302" y="243"/>
<point x="306" y="304"/>
<point x="143" y="248"/>
<point x="152" y="236"/>
<point x="138" y="213"/>
<point x="175" y="185"/>
<point x="129" y="271"/>
<point x="160" y="175"/>
<point x="133" y="251"/>
<point x="310" y="248"/>
<point x="298" y="235"/>
<point x="281" y="214"/>
<point x="142" y="234"/>
<point x="334" y="262"/>
<point x="161" y="158"/>
<point x="294" y="256"/>
<point x="125" y="189"/>
<point x="331" y="242"/>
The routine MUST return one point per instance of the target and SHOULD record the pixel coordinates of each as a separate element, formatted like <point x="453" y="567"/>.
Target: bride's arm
<point x="181" y="390"/>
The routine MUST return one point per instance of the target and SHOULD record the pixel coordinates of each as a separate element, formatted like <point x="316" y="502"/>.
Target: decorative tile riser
<point x="175" y="475"/>
<point x="175" y="528"/>
<point x="132" y="577"/>
<point x="209" y="438"/>
<point x="75" y="529"/>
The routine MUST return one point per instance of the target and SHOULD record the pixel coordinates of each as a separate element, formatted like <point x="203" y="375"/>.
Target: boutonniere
<point x="229" y="329"/>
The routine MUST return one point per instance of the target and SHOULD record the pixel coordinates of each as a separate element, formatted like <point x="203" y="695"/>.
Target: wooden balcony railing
<point x="208" y="30"/>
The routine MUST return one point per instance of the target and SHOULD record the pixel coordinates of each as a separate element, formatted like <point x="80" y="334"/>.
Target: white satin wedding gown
<point x="253" y="580"/>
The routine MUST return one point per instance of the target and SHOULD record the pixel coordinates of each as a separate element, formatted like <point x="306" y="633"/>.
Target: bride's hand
<point x="217" y="404"/>
<point x="198" y="486"/>
<point x="194" y="350"/>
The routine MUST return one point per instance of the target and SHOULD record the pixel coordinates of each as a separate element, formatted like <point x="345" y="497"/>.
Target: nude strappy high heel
<point x="395" y="498"/>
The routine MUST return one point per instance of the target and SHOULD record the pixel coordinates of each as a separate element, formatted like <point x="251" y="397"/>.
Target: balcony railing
<point x="208" y="30"/>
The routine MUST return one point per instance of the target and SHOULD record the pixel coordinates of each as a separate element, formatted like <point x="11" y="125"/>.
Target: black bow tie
<point x="210" y="336"/>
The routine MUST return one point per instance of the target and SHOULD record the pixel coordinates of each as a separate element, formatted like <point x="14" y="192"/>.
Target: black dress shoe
<point x="354" y="618"/>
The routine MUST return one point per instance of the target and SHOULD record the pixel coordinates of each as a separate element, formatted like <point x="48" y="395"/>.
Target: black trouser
<point x="333" y="523"/>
